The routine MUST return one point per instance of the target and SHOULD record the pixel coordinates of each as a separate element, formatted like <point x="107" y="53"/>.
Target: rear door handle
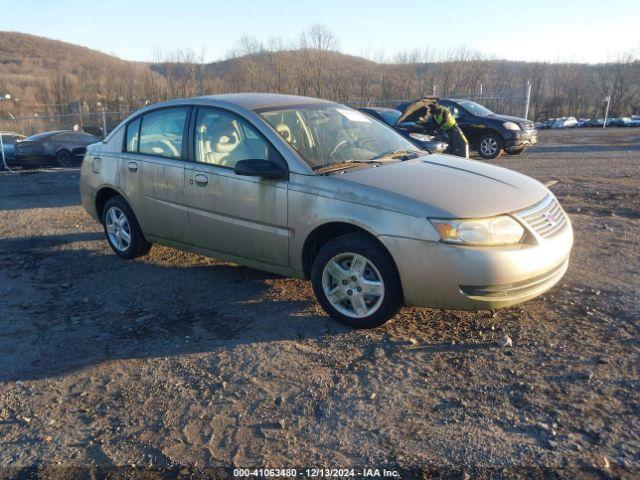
<point x="201" y="179"/>
<point x="133" y="166"/>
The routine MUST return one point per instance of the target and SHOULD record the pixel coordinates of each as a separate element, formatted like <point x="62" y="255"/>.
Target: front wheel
<point x="356" y="281"/>
<point x="122" y="229"/>
<point x="490" y="146"/>
<point x="64" y="159"/>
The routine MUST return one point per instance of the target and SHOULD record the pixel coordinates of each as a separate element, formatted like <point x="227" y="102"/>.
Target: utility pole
<point x="104" y="120"/>
<point x="434" y="90"/>
<point x="480" y="88"/>
<point x="606" y="111"/>
<point x="4" y="160"/>
<point x="527" y="100"/>
<point x="81" y="119"/>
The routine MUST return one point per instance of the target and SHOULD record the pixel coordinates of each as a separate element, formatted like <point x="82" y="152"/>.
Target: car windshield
<point x="325" y="134"/>
<point x="390" y="116"/>
<point x="475" y="108"/>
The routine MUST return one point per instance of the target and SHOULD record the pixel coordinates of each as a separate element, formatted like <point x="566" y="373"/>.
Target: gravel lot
<point x="181" y="362"/>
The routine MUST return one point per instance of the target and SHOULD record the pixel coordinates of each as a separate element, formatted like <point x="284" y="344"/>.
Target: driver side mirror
<point x="259" y="168"/>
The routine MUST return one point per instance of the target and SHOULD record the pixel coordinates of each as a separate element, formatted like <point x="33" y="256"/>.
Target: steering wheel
<point x="337" y="147"/>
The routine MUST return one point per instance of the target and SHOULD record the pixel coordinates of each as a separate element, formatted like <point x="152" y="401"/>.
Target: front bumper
<point x="440" y="275"/>
<point x="520" y="139"/>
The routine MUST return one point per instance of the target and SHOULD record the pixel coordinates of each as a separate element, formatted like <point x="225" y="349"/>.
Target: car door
<point x="229" y="213"/>
<point x="152" y="172"/>
<point x="465" y="120"/>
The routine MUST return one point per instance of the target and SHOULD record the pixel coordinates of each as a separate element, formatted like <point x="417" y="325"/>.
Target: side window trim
<point x="126" y="131"/>
<point x="273" y="153"/>
<point x="185" y="132"/>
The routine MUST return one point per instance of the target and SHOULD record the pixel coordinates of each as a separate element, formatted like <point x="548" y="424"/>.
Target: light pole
<point x="527" y="99"/>
<point x="4" y="97"/>
<point x="606" y="112"/>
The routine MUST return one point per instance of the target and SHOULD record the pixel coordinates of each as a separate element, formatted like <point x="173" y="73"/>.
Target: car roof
<point x="39" y="135"/>
<point x="249" y="101"/>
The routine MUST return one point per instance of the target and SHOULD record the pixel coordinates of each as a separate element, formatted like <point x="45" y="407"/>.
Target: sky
<point x="534" y="30"/>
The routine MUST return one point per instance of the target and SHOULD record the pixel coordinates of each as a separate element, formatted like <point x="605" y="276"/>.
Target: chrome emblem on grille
<point x="549" y="217"/>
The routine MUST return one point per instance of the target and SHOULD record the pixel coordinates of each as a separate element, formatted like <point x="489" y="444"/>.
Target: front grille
<point x="546" y="218"/>
<point x="527" y="126"/>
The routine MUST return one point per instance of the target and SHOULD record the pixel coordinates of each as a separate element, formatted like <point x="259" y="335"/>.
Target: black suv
<point x="489" y="133"/>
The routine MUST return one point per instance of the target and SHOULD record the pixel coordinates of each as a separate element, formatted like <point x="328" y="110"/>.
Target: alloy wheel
<point x="353" y="285"/>
<point x="118" y="229"/>
<point x="489" y="146"/>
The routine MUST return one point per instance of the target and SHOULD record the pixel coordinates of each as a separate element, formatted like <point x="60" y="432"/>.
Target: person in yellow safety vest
<point x="447" y="123"/>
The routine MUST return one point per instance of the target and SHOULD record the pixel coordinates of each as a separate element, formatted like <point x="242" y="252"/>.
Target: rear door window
<point x="161" y="132"/>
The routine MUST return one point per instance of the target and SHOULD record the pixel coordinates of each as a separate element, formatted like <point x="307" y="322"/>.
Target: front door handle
<point x="133" y="166"/>
<point x="201" y="179"/>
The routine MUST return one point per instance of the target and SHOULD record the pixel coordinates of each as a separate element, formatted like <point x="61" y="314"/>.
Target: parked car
<point x="620" y="122"/>
<point x="9" y="141"/>
<point x="594" y="122"/>
<point x="389" y="116"/>
<point x="313" y="189"/>
<point x="63" y="148"/>
<point x="563" y="122"/>
<point x="490" y="134"/>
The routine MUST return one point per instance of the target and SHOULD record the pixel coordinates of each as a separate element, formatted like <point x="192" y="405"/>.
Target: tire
<point x="516" y="152"/>
<point x="490" y="146"/>
<point x="64" y="158"/>
<point x="113" y="213"/>
<point x="334" y="265"/>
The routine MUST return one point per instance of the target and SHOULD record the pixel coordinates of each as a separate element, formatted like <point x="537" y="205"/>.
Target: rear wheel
<point x="356" y="282"/>
<point x="64" y="159"/>
<point x="122" y="229"/>
<point x="490" y="146"/>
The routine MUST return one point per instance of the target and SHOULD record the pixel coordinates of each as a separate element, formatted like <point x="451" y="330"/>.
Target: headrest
<point x="284" y="131"/>
<point x="227" y="142"/>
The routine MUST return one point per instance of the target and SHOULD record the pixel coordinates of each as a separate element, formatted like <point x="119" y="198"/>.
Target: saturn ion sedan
<point x="312" y="189"/>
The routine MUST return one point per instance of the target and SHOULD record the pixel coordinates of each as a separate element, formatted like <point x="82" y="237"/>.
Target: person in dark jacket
<point x="446" y="123"/>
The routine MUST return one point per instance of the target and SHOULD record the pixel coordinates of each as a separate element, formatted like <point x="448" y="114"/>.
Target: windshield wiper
<point x="398" y="154"/>
<point x="341" y="165"/>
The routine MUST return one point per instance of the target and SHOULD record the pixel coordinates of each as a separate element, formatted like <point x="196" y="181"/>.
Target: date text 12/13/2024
<point x="316" y="472"/>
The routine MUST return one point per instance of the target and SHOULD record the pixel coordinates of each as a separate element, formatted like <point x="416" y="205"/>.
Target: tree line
<point x="313" y="65"/>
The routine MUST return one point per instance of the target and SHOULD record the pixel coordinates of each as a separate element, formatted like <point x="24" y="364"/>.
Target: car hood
<point x="450" y="187"/>
<point x="413" y="111"/>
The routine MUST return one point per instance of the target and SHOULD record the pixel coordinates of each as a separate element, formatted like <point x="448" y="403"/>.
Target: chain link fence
<point x="66" y="142"/>
<point x="52" y="140"/>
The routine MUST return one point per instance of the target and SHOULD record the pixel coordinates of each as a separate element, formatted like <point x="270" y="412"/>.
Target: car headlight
<point x="511" y="126"/>
<point x="502" y="230"/>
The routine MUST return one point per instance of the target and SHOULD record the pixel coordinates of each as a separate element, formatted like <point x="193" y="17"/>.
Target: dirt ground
<point x="182" y="363"/>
